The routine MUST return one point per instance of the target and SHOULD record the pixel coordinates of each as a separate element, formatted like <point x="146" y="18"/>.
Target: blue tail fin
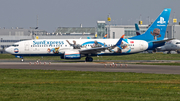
<point x="137" y="29"/>
<point x="157" y="30"/>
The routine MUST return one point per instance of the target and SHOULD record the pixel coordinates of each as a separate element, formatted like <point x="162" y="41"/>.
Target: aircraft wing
<point x="93" y="50"/>
<point x="99" y="49"/>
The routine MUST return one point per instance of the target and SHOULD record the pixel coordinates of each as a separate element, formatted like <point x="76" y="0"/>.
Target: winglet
<point x="120" y="40"/>
<point x="105" y="36"/>
<point x="117" y="44"/>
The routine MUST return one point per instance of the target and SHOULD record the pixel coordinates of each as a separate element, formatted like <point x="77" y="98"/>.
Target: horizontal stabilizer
<point x="162" y="41"/>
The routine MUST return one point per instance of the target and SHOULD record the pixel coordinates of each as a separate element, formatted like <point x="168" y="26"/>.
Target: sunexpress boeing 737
<point x="77" y="48"/>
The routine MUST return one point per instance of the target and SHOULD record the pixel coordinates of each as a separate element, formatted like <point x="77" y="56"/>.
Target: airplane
<point x="172" y="45"/>
<point x="77" y="48"/>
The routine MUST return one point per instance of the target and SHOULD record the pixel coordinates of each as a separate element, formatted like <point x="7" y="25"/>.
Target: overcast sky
<point x="72" y="13"/>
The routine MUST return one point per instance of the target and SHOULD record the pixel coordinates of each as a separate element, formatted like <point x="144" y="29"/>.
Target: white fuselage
<point x="60" y="46"/>
<point x="172" y="45"/>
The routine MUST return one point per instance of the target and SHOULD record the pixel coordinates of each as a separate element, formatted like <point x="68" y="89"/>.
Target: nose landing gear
<point x="22" y="60"/>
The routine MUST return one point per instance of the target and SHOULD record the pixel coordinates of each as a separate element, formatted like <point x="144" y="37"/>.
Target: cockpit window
<point x="15" y="45"/>
<point x="177" y="42"/>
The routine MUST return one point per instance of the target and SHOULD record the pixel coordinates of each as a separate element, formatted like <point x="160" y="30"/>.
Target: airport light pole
<point x="109" y="19"/>
<point x="174" y="22"/>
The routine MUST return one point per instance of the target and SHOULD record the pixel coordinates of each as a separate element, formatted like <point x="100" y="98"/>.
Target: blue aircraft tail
<point x="157" y="30"/>
<point x="137" y="29"/>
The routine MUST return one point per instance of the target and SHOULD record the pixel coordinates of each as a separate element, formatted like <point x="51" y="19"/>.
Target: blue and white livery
<point x="77" y="48"/>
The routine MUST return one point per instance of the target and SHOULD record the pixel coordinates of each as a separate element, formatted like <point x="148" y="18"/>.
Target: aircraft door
<point x="26" y="46"/>
<point x="141" y="46"/>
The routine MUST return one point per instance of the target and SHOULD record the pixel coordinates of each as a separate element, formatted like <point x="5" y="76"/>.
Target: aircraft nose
<point x="8" y="50"/>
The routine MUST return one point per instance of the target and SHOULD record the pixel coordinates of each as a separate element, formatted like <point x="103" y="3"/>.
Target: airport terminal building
<point x="116" y="31"/>
<point x="10" y="36"/>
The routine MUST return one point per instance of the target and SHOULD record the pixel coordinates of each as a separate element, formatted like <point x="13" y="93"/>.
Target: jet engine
<point x="72" y="55"/>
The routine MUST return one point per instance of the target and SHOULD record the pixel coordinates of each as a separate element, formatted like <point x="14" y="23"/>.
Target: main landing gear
<point x="178" y="51"/>
<point x="89" y="59"/>
<point x="169" y="52"/>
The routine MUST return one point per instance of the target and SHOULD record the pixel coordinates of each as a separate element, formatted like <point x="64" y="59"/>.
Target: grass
<point x="139" y="56"/>
<point x="18" y="85"/>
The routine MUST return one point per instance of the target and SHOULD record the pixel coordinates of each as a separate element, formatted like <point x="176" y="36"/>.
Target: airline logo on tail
<point x="161" y="20"/>
<point x="157" y="30"/>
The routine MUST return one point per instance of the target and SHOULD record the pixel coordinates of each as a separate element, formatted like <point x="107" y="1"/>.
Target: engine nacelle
<point x="72" y="55"/>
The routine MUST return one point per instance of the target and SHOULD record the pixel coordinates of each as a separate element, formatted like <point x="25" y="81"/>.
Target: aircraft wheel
<point x="169" y="52"/>
<point x="86" y="59"/>
<point x="89" y="59"/>
<point x="22" y="60"/>
<point x="178" y="51"/>
<point x="154" y="51"/>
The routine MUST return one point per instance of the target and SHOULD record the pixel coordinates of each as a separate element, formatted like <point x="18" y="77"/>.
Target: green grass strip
<point x="139" y="56"/>
<point x="38" y="85"/>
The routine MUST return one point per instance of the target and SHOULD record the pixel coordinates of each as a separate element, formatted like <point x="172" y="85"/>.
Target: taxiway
<point x="158" y="69"/>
